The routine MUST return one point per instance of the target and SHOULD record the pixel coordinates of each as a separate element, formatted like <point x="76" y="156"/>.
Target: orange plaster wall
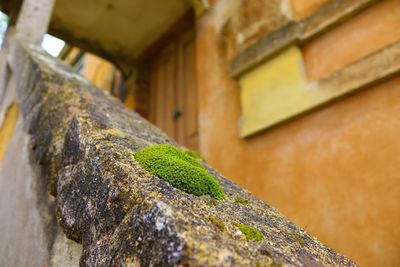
<point x="303" y="8"/>
<point x="365" y="33"/>
<point x="333" y="171"/>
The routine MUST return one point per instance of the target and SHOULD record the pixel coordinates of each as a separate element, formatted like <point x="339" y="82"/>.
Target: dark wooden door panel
<point x="173" y="91"/>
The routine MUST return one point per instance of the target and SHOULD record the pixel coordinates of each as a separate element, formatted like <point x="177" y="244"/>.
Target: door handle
<point x="176" y="114"/>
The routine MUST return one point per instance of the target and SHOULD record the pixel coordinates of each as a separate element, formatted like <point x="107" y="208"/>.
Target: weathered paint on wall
<point x="273" y="91"/>
<point x="333" y="171"/>
<point x="277" y="90"/>
<point x="250" y="21"/>
<point x="367" y="32"/>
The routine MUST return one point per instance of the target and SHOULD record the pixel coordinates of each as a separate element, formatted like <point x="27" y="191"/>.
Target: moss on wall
<point x="195" y="155"/>
<point x="249" y="232"/>
<point x="180" y="169"/>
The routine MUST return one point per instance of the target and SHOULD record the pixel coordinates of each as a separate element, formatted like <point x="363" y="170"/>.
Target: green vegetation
<point x="242" y="201"/>
<point x="249" y="232"/>
<point x="195" y="154"/>
<point x="179" y="169"/>
<point x="217" y="222"/>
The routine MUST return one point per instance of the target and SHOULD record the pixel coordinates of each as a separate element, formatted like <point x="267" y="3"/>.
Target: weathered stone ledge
<point x="83" y="139"/>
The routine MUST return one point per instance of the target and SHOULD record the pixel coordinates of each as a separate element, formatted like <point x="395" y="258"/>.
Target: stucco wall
<point x="333" y="171"/>
<point x="300" y="9"/>
<point x="365" y="33"/>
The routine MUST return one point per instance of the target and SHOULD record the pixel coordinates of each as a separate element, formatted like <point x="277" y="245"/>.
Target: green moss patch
<point x="179" y="169"/>
<point x="249" y="232"/>
<point x="195" y="155"/>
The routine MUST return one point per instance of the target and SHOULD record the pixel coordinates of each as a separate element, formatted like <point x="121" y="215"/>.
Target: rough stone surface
<point x="84" y="139"/>
<point x="30" y="235"/>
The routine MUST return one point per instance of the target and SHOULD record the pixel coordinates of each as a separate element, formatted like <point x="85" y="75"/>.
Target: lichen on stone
<point x="241" y="201"/>
<point x="179" y="169"/>
<point x="249" y="232"/>
<point x="217" y="222"/>
<point x="210" y="202"/>
<point x="272" y="264"/>
<point x="298" y="238"/>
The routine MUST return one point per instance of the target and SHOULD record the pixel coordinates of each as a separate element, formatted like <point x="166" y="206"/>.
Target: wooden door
<point x="173" y="92"/>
